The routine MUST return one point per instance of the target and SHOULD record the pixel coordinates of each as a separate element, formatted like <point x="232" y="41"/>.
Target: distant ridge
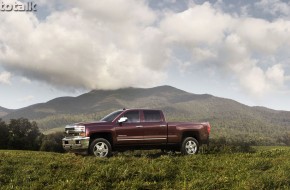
<point x="4" y="111"/>
<point x="228" y="117"/>
<point x="100" y="100"/>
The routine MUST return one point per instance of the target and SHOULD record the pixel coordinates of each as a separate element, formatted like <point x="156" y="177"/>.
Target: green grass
<point x="268" y="168"/>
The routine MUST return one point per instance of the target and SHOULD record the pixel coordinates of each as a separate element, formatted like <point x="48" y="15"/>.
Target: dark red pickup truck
<point x="135" y="129"/>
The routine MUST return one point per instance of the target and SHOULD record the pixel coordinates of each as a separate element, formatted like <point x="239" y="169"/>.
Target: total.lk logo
<point x="18" y="6"/>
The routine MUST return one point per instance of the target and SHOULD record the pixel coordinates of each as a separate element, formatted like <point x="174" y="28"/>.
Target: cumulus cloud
<point x="119" y="43"/>
<point x="259" y="82"/>
<point x="5" y="78"/>
<point x="91" y="45"/>
<point x="263" y="36"/>
<point x="276" y="75"/>
<point x="195" y="26"/>
<point x="231" y="44"/>
<point x="274" y="7"/>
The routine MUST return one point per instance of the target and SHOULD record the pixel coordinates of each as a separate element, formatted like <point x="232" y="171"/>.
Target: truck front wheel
<point x="189" y="146"/>
<point x="101" y="148"/>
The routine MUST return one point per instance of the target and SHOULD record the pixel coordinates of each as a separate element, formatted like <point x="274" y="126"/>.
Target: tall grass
<point x="268" y="168"/>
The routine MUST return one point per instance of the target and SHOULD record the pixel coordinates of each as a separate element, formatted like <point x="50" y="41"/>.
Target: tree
<point x="4" y="135"/>
<point x="285" y="139"/>
<point x="52" y="142"/>
<point x="23" y="135"/>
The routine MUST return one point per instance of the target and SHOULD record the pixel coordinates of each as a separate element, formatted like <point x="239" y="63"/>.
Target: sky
<point x="232" y="49"/>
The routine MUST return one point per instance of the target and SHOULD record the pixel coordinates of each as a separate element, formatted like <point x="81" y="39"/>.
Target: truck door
<point x="130" y="132"/>
<point x="154" y="127"/>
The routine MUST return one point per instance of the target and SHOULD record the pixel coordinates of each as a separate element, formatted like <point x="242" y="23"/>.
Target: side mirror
<point x="122" y="120"/>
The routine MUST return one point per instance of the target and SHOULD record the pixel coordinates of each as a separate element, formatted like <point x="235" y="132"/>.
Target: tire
<point x="101" y="148"/>
<point x="189" y="146"/>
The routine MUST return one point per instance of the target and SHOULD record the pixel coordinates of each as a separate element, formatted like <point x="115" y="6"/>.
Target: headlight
<point x="76" y="130"/>
<point x="81" y="130"/>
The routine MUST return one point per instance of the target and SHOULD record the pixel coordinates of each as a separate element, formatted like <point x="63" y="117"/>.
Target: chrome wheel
<point x="190" y="147"/>
<point x="100" y="149"/>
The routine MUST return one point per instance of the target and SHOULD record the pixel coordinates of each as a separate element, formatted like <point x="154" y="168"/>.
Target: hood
<point x="90" y="123"/>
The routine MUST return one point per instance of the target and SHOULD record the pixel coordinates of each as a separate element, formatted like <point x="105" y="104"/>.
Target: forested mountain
<point x="228" y="117"/>
<point x="4" y="111"/>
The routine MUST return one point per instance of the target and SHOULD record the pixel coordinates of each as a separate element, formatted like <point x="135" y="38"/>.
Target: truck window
<point x="152" y="116"/>
<point x="133" y="116"/>
<point x="111" y="116"/>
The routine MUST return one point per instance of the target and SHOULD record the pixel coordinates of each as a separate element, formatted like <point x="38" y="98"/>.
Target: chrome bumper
<point x="76" y="144"/>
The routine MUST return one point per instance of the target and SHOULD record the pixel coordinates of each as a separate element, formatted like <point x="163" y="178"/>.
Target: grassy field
<point x="267" y="168"/>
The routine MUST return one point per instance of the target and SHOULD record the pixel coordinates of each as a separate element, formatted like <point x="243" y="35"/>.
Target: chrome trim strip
<point x="75" y="138"/>
<point x="141" y="139"/>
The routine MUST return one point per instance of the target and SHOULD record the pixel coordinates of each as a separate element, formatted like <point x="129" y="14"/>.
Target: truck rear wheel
<point x="189" y="146"/>
<point x="101" y="148"/>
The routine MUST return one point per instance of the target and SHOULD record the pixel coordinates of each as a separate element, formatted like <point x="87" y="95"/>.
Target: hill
<point x="4" y="111"/>
<point x="229" y="118"/>
<point x="265" y="169"/>
<point x="100" y="100"/>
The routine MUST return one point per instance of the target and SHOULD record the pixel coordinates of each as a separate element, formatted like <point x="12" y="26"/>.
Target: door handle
<point x="139" y="126"/>
<point x="163" y="125"/>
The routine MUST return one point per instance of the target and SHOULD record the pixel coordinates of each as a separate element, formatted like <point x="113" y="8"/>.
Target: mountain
<point x="4" y="111"/>
<point x="101" y="100"/>
<point x="228" y="118"/>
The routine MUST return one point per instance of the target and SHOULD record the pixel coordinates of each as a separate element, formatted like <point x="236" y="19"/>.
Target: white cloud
<point x="258" y="81"/>
<point x="197" y="25"/>
<point x="201" y="54"/>
<point x="230" y="44"/>
<point x="254" y="81"/>
<point x="26" y="98"/>
<point x="25" y="80"/>
<point x="5" y="78"/>
<point x="274" y="7"/>
<point x="276" y="75"/>
<point x="118" y="43"/>
<point x="263" y="36"/>
<point x="102" y="44"/>
<point x="117" y="13"/>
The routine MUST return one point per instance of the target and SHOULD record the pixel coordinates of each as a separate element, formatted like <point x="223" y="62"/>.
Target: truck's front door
<point x="130" y="132"/>
<point x="154" y="127"/>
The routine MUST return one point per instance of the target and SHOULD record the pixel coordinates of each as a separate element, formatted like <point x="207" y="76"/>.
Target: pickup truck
<point x="135" y="129"/>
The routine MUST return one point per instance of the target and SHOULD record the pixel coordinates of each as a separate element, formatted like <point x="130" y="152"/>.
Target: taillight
<point x="208" y="128"/>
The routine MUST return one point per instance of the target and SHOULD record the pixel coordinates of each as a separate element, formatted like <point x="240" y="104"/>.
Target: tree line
<point x="21" y="134"/>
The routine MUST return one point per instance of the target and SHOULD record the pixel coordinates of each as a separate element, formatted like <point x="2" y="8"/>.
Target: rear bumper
<point x="76" y="144"/>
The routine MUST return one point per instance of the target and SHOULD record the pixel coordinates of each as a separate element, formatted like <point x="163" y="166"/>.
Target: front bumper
<point x="76" y="144"/>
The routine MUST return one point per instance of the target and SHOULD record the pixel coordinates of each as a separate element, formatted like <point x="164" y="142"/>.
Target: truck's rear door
<point x="154" y="127"/>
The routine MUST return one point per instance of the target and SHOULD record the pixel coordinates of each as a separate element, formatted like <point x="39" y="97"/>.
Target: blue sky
<point x="232" y="49"/>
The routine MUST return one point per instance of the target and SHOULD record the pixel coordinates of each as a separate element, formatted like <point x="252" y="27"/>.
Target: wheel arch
<point x="194" y="134"/>
<point x="105" y="135"/>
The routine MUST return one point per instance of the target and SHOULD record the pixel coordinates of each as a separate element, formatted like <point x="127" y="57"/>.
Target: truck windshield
<point x="111" y="116"/>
